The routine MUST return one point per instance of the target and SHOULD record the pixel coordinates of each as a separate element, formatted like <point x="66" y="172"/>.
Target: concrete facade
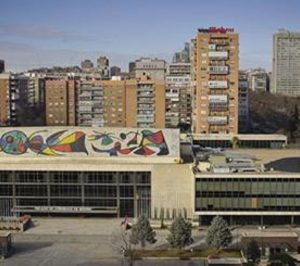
<point x="286" y="63"/>
<point x="90" y="142"/>
<point x="60" y="101"/>
<point x="154" y="68"/>
<point x="215" y="67"/>
<point x="4" y="100"/>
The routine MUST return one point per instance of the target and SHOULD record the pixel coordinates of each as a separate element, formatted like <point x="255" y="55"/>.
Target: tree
<point x="142" y="232"/>
<point x="252" y="251"/>
<point x="218" y="234"/>
<point x="120" y="243"/>
<point x="181" y="233"/>
<point x="235" y="142"/>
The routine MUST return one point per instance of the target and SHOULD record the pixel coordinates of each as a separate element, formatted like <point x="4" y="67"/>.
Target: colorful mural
<point x="16" y="142"/>
<point x="93" y="141"/>
<point x="143" y="143"/>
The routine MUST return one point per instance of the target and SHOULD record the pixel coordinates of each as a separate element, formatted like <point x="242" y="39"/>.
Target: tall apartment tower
<point x="178" y="95"/>
<point x="90" y="104"/>
<point x="145" y="103"/>
<point x="243" y="102"/>
<point x="4" y="100"/>
<point x="215" y="67"/>
<point x="60" y="100"/>
<point x="286" y="63"/>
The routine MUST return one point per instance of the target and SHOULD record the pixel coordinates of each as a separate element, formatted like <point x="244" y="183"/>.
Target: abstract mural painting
<point x="16" y="142"/>
<point x="49" y="142"/>
<point x="144" y="143"/>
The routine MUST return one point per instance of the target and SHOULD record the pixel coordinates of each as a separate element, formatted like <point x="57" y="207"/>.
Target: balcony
<point x="218" y="84"/>
<point x="217" y="120"/>
<point x="218" y="69"/>
<point x="145" y="100"/>
<point x="218" y="55"/>
<point x="218" y="99"/>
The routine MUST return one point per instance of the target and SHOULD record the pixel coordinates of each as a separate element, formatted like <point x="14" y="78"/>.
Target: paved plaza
<point x="88" y="241"/>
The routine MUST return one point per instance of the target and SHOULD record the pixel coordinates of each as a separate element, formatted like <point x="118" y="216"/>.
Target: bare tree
<point x="120" y="243"/>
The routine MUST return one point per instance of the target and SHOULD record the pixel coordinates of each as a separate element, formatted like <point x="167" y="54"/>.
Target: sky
<point x="37" y="33"/>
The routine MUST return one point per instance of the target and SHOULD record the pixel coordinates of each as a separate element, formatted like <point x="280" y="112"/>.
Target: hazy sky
<point x="35" y="33"/>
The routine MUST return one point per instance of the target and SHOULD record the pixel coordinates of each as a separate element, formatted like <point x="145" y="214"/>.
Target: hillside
<point x="274" y="114"/>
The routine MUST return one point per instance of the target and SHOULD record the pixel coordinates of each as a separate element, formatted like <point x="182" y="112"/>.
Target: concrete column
<point x="292" y="220"/>
<point x="48" y="188"/>
<point x="118" y="193"/>
<point x="81" y="180"/>
<point x="135" y="196"/>
<point x="13" y="179"/>
<point x="261" y="220"/>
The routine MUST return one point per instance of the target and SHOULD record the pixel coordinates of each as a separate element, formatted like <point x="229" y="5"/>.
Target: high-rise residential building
<point x="182" y="56"/>
<point x="216" y="66"/>
<point x="115" y="71"/>
<point x="178" y="94"/>
<point x="145" y="103"/>
<point x="243" y="102"/>
<point x="134" y="103"/>
<point x="22" y="100"/>
<point x="35" y="90"/>
<point x="114" y="103"/>
<point x="87" y="66"/>
<point x="286" y="63"/>
<point x="2" y="66"/>
<point x="153" y="68"/>
<point x="103" y="67"/>
<point x="19" y="99"/>
<point x="90" y="104"/>
<point x="258" y="80"/>
<point x="5" y="102"/>
<point x="178" y="100"/>
<point x="60" y="101"/>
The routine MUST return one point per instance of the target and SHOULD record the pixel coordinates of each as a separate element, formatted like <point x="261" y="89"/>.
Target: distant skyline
<point x="35" y="33"/>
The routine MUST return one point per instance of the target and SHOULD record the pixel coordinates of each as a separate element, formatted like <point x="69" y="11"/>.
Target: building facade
<point x="243" y="102"/>
<point x="104" y="171"/>
<point x="103" y="67"/>
<point x="258" y="80"/>
<point x="2" y="66"/>
<point x="153" y="68"/>
<point x="5" y="101"/>
<point x="145" y="103"/>
<point x="89" y="105"/>
<point x="182" y="56"/>
<point x="115" y="71"/>
<point x="248" y="199"/>
<point x="87" y="66"/>
<point x="215" y="67"/>
<point x="60" y="101"/>
<point x="178" y="100"/>
<point x="286" y="63"/>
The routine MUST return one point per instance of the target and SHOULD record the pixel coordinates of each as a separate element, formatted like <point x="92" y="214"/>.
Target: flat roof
<point x="273" y="234"/>
<point x="270" y="137"/>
